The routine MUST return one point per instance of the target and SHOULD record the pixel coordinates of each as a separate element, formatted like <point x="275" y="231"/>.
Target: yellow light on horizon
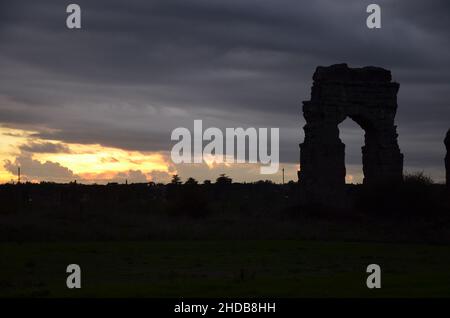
<point x="88" y="160"/>
<point x="98" y="159"/>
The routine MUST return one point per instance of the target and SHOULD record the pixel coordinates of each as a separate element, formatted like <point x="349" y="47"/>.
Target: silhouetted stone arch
<point x="367" y="96"/>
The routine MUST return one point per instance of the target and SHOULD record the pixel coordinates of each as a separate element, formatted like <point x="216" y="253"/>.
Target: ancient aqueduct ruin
<point x="369" y="97"/>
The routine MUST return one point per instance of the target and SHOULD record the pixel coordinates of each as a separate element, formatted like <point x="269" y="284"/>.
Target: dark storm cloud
<point x="138" y="69"/>
<point x="44" y="147"/>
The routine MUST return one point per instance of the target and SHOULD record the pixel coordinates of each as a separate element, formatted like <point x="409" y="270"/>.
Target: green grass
<point x="223" y="268"/>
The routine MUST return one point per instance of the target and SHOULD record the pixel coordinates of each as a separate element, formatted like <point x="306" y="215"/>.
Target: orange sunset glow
<point x="85" y="163"/>
<point x="57" y="161"/>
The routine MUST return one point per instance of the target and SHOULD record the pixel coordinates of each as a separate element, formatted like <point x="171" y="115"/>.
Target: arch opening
<point x="352" y="135"/>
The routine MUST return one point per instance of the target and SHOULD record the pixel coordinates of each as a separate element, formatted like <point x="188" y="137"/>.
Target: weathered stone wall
<point x="369" y="97"/>
<point x="447" y="158"/>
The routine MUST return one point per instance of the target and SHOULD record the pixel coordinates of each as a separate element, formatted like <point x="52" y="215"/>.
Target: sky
<point x="99" y="104"/>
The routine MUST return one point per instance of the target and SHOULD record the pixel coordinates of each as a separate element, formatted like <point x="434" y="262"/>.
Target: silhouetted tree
<point x="419" y="179"/>
<point x="191" y="181"/>
<point x="224" y="179"/>
<point x="175" y="179"/>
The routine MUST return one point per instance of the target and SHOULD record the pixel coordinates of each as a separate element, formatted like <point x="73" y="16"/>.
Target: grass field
<point x="223" y="268"/>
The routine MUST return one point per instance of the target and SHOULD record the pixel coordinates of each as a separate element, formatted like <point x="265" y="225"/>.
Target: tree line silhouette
<point x="417" y="195"/>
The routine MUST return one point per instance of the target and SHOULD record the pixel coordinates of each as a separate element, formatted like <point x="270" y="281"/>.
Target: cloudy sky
<point x="99" y="104"/>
